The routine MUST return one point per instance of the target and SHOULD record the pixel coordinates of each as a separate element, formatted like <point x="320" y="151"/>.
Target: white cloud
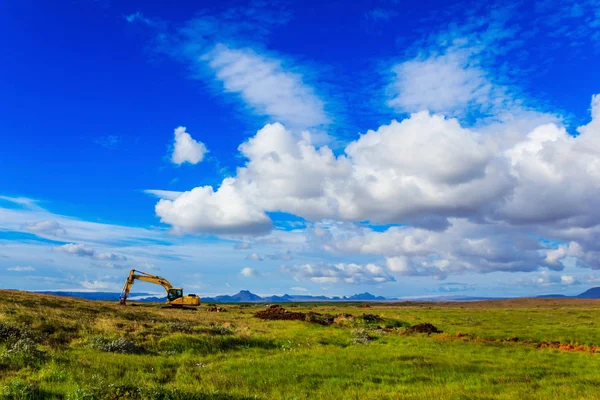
<point x="22" y="201"/>
<point x="299" y="289"/>
<point x="82" y="251"/>
<point x="223" y="211"/>
<point x="553" y="257"/>
<point x="431" y="174"/>
<point x="388" y="176"/>
<point x="147" y="267"/>
<point x="76" y="249"/>
<point x="254" y="257"/>
<point x="98" y="285"/>
<point x="266" y="86"/>
<point x="441" y="83"/>
<point x="163" y="194"/>
<point x="339" y="273"/>
<point x="46" y="227"/>
<point x="186" y="149"/>
<point x="548" y="279"/>
<point x="21" y="269"/>
<point x="249" y="272"/>
<point x="242" y="246"/>
<point x="110" y="257"/>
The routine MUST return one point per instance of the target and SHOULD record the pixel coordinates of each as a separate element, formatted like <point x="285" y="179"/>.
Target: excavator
<point x="175" y="297"/>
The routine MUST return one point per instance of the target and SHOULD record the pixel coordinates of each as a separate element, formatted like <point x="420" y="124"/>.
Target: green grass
<point x="74" y="349"/>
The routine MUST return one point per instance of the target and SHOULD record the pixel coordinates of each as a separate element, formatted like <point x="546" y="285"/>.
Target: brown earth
<point x="421" y="328"/>
<point x="276" y="312"/>
<point x="539" y="345"/>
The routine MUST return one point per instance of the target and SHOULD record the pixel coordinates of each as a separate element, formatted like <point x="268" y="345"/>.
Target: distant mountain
<point x="593" y="293"/>
<point x="365" y="296"/>
<point x="246" y="296"/>
<point x="105" y="296"/>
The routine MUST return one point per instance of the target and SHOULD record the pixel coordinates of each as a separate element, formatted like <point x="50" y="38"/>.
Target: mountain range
<point x="245" y="296"/>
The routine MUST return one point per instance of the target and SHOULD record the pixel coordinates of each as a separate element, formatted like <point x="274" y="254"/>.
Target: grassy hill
<point x="63" y="348"/>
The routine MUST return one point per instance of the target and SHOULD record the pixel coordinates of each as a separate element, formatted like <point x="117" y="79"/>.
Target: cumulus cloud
<point x="242" y="246"/>
<point x="568" y="280"/>
<point x="475" y="197"/>
<point x="254" y="257"/>
<point x="425" y="166"/>
<point x="553" y="257"/>
<point x="339" y="273"/>
<point x="461" y="248"/>
<point x="249" y="272"/>
<point x="186" y="149"/>
<point x="427" y="172"/>
<point x="21" y="269"/>
<point x="76" y="249"/>
<point x="46" y="227"/>
<point x="203" y="210"/>
<point x="548" y="279"/>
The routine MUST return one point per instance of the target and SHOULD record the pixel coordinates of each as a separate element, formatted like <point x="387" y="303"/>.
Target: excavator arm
<point x="142" y="276"/>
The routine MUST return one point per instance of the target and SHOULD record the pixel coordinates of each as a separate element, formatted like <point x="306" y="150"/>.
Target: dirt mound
<point x="276" y="312"/>
<point x="421" y="328"/>
<point x="216" y="308"/>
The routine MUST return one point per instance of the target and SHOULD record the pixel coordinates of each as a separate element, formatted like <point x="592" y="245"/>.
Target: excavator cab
<point x="174" y="294"/>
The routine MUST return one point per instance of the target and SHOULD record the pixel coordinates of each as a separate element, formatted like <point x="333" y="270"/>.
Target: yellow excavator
<point x="175" y="297"/>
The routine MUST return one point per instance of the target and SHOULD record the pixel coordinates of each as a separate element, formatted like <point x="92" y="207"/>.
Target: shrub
<point x="179" y="326"/>
<point x="17" y="390"/>
<point x="361" y="336"/>
<point x="220" y="330"/>
<point x="120" y="345"/>
<point x="9" y="333"/>
<point x="23" y="353"/>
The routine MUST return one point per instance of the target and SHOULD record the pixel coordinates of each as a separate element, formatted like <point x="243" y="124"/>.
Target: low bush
<point x="18" y="390"/>
<point x="361" y="336"/>
<point x="120" y="345"/>
<point x="179" y="327"/>
<point x="220" y="330"/>
<point x="23" y="353"/>
<point x="9" y="333"/>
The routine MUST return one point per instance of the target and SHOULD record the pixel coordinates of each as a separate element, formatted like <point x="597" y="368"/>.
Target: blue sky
<point x="299" y="147"/>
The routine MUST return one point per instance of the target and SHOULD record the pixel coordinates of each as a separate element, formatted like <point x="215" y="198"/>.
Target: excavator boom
<point x="175" y="297"/>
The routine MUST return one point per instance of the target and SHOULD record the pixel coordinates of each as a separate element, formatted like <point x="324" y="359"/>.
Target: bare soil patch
<point x="421" y="328"/>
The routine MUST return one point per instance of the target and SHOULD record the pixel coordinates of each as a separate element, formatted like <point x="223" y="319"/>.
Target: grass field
<point x="53" y="347"/>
